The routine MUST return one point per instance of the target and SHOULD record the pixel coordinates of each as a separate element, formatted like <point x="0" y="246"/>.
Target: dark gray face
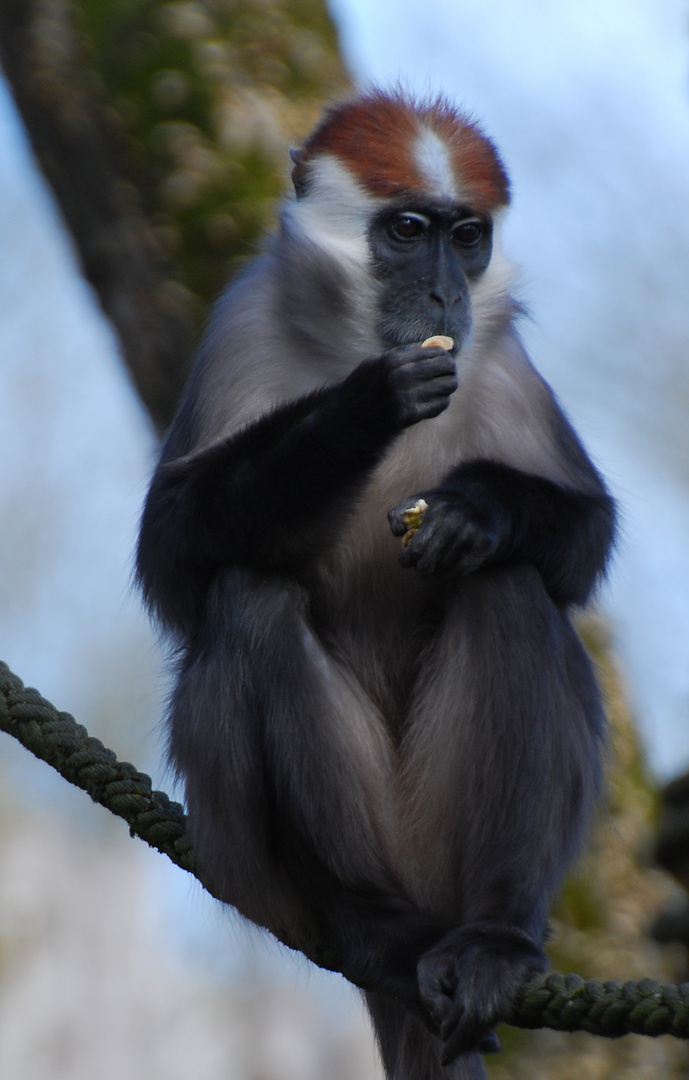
<point x="425" y="258"/>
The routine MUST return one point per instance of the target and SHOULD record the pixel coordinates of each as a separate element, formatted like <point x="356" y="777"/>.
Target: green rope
<point x="562" y="1002"/>
<point x="611" y="1009"/>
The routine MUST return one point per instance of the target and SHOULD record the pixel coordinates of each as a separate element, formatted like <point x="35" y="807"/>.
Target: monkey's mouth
<point x="419" y="334"/>
<point x="412" y="330"/>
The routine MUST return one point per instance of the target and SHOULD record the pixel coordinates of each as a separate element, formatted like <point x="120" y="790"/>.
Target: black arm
<point x="276" y="493"/>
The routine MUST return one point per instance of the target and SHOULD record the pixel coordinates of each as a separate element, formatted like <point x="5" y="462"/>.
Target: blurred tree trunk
<point x="81" y="156"/>
<point x="162" y="129"/>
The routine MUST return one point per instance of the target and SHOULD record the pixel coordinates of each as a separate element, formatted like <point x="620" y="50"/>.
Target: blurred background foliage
<point x="163" y="130"/>
<point x="207" y="96"/>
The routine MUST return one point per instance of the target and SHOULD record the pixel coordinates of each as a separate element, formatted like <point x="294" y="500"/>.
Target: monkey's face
<point x="426" y="258"/>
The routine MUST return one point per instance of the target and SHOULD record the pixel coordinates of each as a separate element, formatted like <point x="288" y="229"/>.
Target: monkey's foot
<point x="468" y="982"/>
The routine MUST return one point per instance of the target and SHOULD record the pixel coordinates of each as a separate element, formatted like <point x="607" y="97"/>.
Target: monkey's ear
<point x="299" y="172"/>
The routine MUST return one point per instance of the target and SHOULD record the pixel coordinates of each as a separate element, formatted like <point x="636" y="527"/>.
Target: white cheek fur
<point x="336" y="213"/>
<point x="494" y="284"/>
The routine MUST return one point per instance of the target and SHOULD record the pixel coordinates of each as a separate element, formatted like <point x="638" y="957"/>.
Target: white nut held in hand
<point x="440" y="340"/>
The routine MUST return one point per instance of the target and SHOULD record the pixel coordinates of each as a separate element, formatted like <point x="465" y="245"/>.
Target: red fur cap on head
<point x="377" y="136"/>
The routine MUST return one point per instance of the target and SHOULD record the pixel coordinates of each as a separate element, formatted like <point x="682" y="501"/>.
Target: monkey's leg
<point x="501" y="772"/>
<point x="288" y="783"/>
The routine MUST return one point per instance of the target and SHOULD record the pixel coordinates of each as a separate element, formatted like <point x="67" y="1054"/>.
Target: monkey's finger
<point x="424" y="548"/>
<point x="411" y="551"/>
<point x="460" y="1035"/>
<point x="428" y="410"/>
<point x="443" y="386"/>
<point x="400" y="521"/>
<point x="453" y="1035"/>
<point x="414" y="356"/>
<point x="432" y="398"/>
<point x="397" y="526"/>
<point x="430" y="367"/>
<point x="436" y="1003"/>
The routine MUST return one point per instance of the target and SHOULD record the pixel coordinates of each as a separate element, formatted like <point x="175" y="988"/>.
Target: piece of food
<point x="414" y="516"/>
<point x="440" y="340"/>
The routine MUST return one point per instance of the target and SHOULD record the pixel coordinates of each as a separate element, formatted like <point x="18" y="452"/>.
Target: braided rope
<point x="56" y="737"/>
<point x="611" y="1009"/>
<point x="562" y="1002"/>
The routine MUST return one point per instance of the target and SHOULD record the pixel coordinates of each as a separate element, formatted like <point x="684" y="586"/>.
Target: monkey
<point x="390" y="753"/>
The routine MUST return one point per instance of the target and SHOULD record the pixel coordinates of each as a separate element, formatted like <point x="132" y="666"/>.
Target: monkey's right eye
<point x="408" y="227"/>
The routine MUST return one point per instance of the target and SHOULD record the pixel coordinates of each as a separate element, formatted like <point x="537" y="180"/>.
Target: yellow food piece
<point x="413" y="517"/>
<point x="440" y="340"/>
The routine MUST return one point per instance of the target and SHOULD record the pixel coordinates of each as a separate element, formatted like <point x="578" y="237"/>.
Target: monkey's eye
<point x="467" y="233"/>
<point x="408" y="227"/>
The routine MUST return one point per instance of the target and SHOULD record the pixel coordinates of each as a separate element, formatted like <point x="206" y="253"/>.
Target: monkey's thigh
<point x="501" y="757"/>
<point x="283" y="755"/>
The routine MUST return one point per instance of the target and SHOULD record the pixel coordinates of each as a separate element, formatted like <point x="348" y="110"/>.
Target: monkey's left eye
<point x="468" y="233"/>
<point x="408" y="227"/>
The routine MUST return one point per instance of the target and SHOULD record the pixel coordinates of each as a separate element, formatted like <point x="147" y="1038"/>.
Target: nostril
<point x="445" y="301"/>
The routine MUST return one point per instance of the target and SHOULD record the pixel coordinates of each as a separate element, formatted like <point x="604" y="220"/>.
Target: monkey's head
<point x="409" y="194"/>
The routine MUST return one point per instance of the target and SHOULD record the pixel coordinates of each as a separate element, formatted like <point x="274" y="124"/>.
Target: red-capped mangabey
<point x="389" y="753"/>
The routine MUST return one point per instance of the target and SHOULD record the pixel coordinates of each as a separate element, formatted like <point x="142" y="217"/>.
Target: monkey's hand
<point x="422" y="380"/>
<point x="458" y="532"/>
<point x="469" y="980"/>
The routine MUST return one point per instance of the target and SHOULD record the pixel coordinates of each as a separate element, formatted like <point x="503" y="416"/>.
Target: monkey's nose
<point x="446" y="298"/>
